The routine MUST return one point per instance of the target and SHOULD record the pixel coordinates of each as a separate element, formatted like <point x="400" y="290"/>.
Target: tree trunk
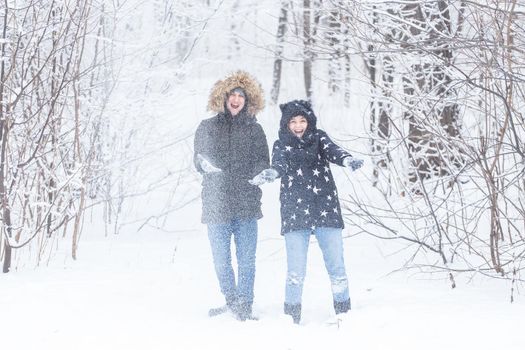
<point x="4" y="132"/>
<point x="428" y="83"/>
<point x="234" y="45"/>
<point x="278" y="62"/>
<point x="334" y="64"/>
<point x="6" y="211"/>
<point x="307" y="51"/>
<point x="380" y="105"/>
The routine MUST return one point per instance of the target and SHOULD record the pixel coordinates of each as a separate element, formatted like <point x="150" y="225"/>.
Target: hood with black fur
<point x="221" y="89"/>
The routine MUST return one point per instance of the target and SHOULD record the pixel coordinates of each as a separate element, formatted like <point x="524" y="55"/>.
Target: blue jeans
<point x="331" y="244"/>
<point x="245" y="237"/>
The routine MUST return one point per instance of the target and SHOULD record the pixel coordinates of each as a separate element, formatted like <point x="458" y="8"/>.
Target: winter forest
<point x="100" y="100"/>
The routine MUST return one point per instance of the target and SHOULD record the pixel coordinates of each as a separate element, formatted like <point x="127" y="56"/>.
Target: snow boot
<point x="231" y="305"/>
<point x="243" y="312"/>
<point x="293" y="310"/>
<point x="341" y="307"/>
<point x="216" y="311"/>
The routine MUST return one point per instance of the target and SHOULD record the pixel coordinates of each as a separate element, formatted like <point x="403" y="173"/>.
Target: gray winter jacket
<point x="237" y="145"/>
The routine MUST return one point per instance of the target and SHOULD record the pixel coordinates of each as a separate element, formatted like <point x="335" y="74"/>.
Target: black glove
<point x="352" y="163"/>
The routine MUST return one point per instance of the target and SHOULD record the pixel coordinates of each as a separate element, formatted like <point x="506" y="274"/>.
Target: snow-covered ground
<point x="152" y="289"/>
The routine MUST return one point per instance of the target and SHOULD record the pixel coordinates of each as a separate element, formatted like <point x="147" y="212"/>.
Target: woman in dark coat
<point x="309" y="201"/>
<point x="230" y="148"/>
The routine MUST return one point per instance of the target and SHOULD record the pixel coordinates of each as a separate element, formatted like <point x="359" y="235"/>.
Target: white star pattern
<point x="336" y="211"/>
<point x="307" y="211"/>
<point x="322" y="138"/>
<point x="299" y="172"/>
<point x="309" y="187"/>
<point x="327" y="179"/>
<point x="288" y="148"/>
<point x="293" y="217"/>
<point x="316" y="190"/>
<point x="324" y="213"/>
<point x="326" y="169"/>
<point x="290" y="178"/>
<point x="299" y="200"/>
<point x="329" y="197"/>
<point x="316" y="172"/>
<point x="313" y="227"/>
<point x="325" y="146"/>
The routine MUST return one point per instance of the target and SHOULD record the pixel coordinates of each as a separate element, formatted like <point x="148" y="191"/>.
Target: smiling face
<point x="235" y="103"/>
<point x="297" y="125"/>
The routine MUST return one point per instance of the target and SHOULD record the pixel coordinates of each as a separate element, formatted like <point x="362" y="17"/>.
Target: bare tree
<point x="44" y="170"/>
<point x="432" y="120"/>
<point x="458" y="164"/>
<point x="338" y="38"/>
<point x="308" y="57"/>
<point x="278" y="61"/>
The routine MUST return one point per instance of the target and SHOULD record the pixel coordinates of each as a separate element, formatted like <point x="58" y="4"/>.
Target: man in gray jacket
<point x="230" y="149"/>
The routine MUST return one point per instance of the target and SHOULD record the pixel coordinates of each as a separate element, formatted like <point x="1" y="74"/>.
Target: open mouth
<point x="298" y="132"/>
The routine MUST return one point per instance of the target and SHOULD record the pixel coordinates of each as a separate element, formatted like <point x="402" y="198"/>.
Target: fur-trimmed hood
<point x="254" y="92"/>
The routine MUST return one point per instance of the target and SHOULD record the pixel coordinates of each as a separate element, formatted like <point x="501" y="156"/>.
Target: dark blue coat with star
<point x="308" y="193"/>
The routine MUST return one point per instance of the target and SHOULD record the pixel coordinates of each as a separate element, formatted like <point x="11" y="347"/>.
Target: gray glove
<point x="352" y="163"/>
<point x="206" y="166"/>
<point x="267" y="175"/>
